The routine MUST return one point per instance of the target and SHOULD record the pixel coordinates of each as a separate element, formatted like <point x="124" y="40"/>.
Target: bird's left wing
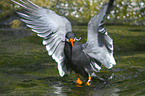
<point x="47" y="24"/>
<point x="99" y="45"/>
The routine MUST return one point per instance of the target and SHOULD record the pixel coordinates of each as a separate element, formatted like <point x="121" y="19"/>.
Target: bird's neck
<point x="76" y="50"/>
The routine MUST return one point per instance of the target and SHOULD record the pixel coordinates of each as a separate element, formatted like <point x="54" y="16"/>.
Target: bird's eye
<point x="67" y="40"/>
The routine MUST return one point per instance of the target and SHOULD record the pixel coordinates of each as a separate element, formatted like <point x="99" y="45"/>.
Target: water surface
<point x="27" y="70"/>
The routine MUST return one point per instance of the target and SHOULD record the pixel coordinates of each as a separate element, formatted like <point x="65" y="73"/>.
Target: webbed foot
<point x="78" y="81"/>
<point x="88" y="82"/>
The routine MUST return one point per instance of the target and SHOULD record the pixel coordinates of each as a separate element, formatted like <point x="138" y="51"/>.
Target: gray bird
<point x="62" y="44"/>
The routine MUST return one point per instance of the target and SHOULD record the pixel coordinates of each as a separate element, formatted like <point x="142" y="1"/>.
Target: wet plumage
<point x="62" y="44"/>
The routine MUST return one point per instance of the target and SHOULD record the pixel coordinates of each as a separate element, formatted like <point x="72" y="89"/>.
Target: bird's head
<point x="71" y="38"/>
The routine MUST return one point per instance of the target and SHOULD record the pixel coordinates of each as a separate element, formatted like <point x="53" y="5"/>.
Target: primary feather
<point x="47" y="24"/>
<point x="99" y="45"/>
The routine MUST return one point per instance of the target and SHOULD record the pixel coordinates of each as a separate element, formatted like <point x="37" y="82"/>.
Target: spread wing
<point x="99" y="45"/>
<point x="47" y="24"/>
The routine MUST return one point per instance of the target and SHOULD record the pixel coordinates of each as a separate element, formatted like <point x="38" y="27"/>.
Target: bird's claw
<point x="88" y="83"/>
<point x="79" y="81"/>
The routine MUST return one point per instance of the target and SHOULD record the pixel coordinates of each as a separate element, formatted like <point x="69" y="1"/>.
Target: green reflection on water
<point x="27" y="70"/>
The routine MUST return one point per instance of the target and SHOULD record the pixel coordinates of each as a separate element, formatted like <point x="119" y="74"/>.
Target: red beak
<point x="71" y="41"/>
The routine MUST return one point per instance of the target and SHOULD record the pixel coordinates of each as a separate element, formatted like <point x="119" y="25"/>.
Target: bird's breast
<point x="73" y="52"/>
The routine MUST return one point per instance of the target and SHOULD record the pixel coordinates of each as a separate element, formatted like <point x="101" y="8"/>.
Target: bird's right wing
<point x="99" y="45"/>
<point x="47" y="24"/>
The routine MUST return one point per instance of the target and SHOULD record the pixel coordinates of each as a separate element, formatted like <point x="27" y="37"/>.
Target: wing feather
<point x="99" y="45"/>
<point x="47" y="24"/>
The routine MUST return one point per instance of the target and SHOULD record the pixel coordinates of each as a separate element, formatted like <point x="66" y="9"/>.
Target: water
<point x="27" y="70"/>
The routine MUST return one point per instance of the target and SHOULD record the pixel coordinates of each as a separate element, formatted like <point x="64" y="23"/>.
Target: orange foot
<point x="79" y="81"/>
<point x="88" y="83"/>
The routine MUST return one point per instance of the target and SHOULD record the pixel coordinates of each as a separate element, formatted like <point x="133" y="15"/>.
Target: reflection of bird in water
<point x="62" y="44"/>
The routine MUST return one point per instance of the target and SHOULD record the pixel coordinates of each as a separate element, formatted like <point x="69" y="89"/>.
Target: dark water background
<point x="27" y="70"/>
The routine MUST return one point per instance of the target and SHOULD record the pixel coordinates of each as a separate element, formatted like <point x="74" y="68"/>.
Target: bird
<point x="62" y="44"/>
